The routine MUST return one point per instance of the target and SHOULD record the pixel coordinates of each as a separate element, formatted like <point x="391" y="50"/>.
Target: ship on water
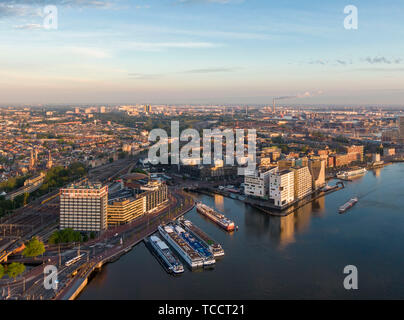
<point x="213" y="246"/>
<point x="203" y="251"/>
<point x="346" y="175"/>
<point x="215" y="216"/>
<point x="184" y="250"/>
<point x="165" y="255"/>
<point x="348" y="205"/>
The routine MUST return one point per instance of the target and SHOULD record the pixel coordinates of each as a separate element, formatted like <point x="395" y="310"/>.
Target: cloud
<point x="382" y="60"/>
<point x="158" y="46"/>
<point x="144" y="76"/>
<point x="88" y="52"/>
<point x="31" y="26"/>
<point x="306" y="94"/>
<point x="208" y="1"/>
<point x="23" y="8"/>
<point x="211" y="70"/>
<point x="370" y="60"/>
<point x="7" y="10"/>
<point x="72" y="3"/>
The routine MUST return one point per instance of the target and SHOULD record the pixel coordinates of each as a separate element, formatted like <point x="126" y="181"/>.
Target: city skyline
<point x="200" y="52"/>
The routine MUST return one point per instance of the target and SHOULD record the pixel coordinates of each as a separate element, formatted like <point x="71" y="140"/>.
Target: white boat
<point x="184" y="250"/>
<point x="164" y="252"/>
<point x="213" y="246"/>
<point x="351" y="174"/>
<point x="197" y="245"/>
<point x="215" y="216"/>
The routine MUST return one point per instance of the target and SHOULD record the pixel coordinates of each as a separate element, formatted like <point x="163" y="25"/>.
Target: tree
<point x="33" y="248"/>
<point x="1" y="271"/>
<point x="15" y="269"/>
<point x="65" y="236"/>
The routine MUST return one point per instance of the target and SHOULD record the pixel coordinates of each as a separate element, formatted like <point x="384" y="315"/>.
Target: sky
<point x="202" y="52"/>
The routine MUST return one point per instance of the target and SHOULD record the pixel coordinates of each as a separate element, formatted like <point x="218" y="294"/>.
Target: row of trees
<point x="58" y="177"/>
<point x="69" y="235"/>
<point x="13" y="183"/>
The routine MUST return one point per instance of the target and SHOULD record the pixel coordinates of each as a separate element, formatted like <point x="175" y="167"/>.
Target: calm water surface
<point x="301" y="256"/>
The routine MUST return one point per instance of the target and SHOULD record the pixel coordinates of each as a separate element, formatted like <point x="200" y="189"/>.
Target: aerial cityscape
<point x="194" y="150"/>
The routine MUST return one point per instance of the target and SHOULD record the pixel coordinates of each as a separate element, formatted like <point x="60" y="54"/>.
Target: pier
<point x="73" y="288"/>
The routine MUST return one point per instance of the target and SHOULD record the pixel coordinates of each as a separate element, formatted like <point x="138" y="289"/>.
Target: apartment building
<point x="359" y="150"/>
<point x="303" y="182"/>
<point x="256" y="184"/>
<point x="84" y="207"/>
<point x="282" y="189"/>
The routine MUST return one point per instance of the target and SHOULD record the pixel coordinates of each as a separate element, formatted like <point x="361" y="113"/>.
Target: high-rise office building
<point x="84" y="207"/>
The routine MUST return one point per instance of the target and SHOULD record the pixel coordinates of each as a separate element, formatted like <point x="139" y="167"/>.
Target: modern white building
<point x="256" y="183"/>
<point x="282" y="187"/>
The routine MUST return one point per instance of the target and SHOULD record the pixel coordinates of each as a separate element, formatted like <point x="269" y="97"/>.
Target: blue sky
<point x="201" y="51"/>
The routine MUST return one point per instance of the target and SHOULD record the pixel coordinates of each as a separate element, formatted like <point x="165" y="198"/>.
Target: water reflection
<point x="219" y="202"/>
<point x="376" y="172"/>
<point x="300" y="256"/>
<point x="282" y="230"/>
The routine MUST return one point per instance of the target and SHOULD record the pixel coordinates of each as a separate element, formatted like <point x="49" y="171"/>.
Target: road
<point x="105" y="248"/>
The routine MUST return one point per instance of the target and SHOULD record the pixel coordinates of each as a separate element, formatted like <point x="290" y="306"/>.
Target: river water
<point x="301" y="256"/>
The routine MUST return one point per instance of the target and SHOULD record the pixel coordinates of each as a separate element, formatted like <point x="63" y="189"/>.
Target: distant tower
<point x="246" y="110"/>
<point x="147" y="108"/>
<point x="274" y="106"/>
<point x="50" y="162"/>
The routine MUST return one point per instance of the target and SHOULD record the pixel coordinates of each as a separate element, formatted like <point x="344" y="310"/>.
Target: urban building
<point x="155" y="193"/>
<point x="303" y="182"/>
<point x="282" y="189"/>
<point x="317" y="171"/>
<point x="256" y="184"/>
<point x="84" y="207"/>
<point x="401" y="128"/>
<point x="356" y="150"/>
<point x="286" y="164"/>
<point x="121" y="211"/>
